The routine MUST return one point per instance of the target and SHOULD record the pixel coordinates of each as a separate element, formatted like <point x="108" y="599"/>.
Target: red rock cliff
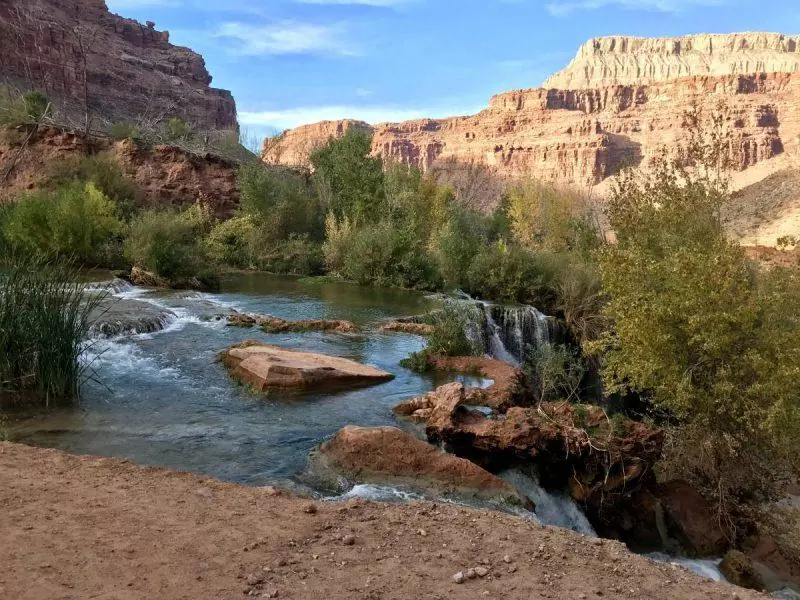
<point x="583" y="136"/>
<point x="129" y="70"/>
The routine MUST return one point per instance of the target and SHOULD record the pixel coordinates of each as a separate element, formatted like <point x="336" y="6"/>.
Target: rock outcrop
<point x="163" y="175"/>
<point x="554" y="437"/>
<point x="80" y="55"/>
<point x="626" y="60"/>
<point x="265" y="367"/>
<point x="387" y="455"/>
<point x="582" y="136"/>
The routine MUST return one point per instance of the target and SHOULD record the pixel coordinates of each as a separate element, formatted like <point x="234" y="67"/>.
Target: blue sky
<point x="290" y="62"/>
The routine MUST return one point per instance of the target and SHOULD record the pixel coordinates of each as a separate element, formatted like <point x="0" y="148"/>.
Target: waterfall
<point x="508" y="331"/>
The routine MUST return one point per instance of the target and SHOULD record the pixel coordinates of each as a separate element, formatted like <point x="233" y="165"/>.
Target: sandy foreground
<point x="96" y="528"/>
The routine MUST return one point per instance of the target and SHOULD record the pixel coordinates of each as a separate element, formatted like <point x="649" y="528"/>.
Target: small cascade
<point x="509" y="331"/>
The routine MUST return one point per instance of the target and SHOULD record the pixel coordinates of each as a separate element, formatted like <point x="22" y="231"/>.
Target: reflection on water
<point x="163" y="398"/>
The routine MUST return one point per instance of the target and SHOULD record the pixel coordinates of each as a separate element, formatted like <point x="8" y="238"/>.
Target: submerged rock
<point x="270" y="324"/>
<point x="144" y="278"/>
<point x="263" y="367"/>
<point x="113" y="317"/>
<point x="387" y="455"/>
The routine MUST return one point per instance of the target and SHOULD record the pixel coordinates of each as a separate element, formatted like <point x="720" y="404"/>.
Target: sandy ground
<point x="85" y="527"/>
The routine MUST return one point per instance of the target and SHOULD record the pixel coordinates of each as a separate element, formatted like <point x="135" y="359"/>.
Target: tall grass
<point x="44" y="318"/>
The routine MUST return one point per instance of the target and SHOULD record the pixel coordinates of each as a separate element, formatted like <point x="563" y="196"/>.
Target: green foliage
<point x="177" y="130"/>
<point x="232" y="242"/>
<point x="167" y="242"/>
<point x="122" y="131"/>
<point x="282" y="203"/>
<point x="349" y="180"/>
<point x="389" y="255"/>
<point x="104" y="171"/>
<point x="22" y="109"/>
<point x="298" y="255"/>
<point x="698" y="330"/>
<point x="450" y="336"/>
<point x="44" y="317"/>
<point x="73" y="221"/>
<point x="458" y="241"/>
<point x="36" y="106"/>
<point x="554" y="373"/>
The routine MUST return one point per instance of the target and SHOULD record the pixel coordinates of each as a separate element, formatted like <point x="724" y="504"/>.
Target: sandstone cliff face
<point x="621" y="60"/>
<point x="78" y="52"/>
<point x="583" y="137"/>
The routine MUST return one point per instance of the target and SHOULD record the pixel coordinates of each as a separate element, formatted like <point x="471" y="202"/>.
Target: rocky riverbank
<point x="83" y="527"/>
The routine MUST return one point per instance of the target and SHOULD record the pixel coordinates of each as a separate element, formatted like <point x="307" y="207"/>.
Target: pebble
<point x="254" y="579"/>
<point x="507" y="559"/>
<point x="471" y="574"/>
<point x="311" y="509"/>
<point x="458" y="577"/>
<point x="481" y="571"/>
<point x="270" y="594"/>
<point x="349" y="540"/>
<point x="512" y="569"/>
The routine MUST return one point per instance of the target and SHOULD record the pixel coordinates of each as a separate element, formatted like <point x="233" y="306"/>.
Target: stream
<point x="162" y="398"/>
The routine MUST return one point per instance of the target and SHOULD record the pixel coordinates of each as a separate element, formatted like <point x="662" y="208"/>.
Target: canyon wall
<point x="583" y="136"/>
<point x="80" y="55"/>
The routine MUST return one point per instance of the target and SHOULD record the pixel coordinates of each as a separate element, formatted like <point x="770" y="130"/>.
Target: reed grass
<point x="44" y="322"/>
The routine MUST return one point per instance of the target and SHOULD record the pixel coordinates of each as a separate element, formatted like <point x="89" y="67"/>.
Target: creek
<point x="159" y="396"/>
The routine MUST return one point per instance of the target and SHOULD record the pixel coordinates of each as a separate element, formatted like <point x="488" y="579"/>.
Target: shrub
<point x="73" y="221"/>
<point x="231" y="242"/>
<point x="36" y="106"/>
<point x="554" y="373"/>
<point x="281" y="202"/>
<point x="177" y="129"/>
<point x="104" y="171"/>
<point x="450" y="336"/>
<point x="299" y="255"/>
<point x="44" y="317"/>
<point x="122" y="131"/>
<point x="166" y="242"/>
<point x="383" y="255"/>
<point x="457" y="243"/>
<point x="22" y="109"/>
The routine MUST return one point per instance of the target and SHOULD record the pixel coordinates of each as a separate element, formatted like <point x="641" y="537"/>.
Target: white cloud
<point x="294" y="117"/>
<point x="288" y="37"/>
<point x="562" y="7"/>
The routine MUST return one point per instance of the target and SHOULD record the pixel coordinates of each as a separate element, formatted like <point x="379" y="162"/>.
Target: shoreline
<point x="83" y="526"/>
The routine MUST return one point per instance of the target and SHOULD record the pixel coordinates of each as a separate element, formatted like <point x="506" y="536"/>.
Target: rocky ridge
<point x="585" y="135"/>
<point x="79" y="53"/>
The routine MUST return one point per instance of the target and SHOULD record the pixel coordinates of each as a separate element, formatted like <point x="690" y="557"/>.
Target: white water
<point x="519" y="328"/>
<point x="705" y="567"/>
<point x="494" y="343"/>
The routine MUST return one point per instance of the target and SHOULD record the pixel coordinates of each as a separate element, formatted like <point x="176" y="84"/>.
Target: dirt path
<point x="84" y="527"/>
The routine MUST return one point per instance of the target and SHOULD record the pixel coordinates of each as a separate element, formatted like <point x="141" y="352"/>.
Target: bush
<point x="457" y="243"/>
<point x="554" y="373"/>
<point x="299" y="255"/>
<point x="73" y="221"/>
<point x="44" y="317"/>
<point x="231" y="242"/>
<point x="166" y="242"/>
<point x="104" y="171"/>
<point x="383" y="255"/>
<point x="177" y="130"/>
<point x="122" y="131"/>
<point x="450" y="336"/>
<point x="22" y="109"/>
<point x="282" y="203"/>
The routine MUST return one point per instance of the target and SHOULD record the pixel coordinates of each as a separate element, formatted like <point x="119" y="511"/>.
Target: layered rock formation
<point x="583" y="136"/>
<point x="80" y="54"/>
<point x="625" y="60"/>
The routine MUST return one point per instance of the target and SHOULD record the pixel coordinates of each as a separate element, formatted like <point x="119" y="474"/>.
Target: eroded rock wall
<point x="78" y="52"/>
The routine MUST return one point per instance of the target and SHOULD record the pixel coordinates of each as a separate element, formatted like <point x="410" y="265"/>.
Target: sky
<point x="291" y="62"/>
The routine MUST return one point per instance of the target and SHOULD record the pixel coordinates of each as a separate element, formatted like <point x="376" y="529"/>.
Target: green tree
<point x="349" y="177"/>
<point x="698" y="330"/>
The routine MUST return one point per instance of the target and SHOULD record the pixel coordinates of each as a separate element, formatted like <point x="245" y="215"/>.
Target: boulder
<point x="691" y="519"/>
<point x="264" y="367"/>
<point x="738" y="568"/>
<point x="387" y="455"/>
<point x="555" y="437"/>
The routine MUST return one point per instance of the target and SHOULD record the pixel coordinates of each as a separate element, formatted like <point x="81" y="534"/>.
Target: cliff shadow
<point x="623" y="153"/>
